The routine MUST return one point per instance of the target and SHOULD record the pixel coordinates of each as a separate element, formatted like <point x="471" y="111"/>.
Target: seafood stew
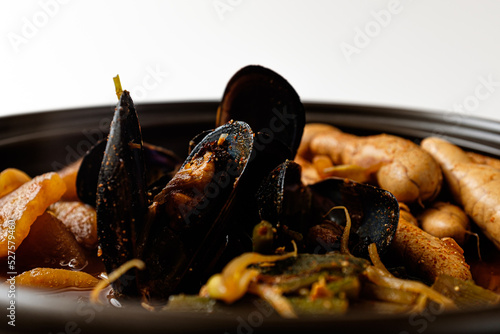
<point x="182" y="153"/>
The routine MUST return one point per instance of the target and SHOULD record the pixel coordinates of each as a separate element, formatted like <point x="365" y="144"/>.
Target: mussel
<point x="374" y="212"/>
<point x="271" y="106"/>
<point x="121" y="200"/>
<point x="268" y="103"/>
<point x="179" y="229"/>
<point x="304" y="213"/>
<point x="187" y="220"/>
<point x="285" y="202"/>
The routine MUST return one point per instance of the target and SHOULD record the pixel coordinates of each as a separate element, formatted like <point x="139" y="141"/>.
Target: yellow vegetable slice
<point x="11" y="179"/>
<point x="68" y="174"/>
<point x="20" y="208"/>
<point x="56" y="279"/>
<point x="50" y="244"/>
<point x="80" y="219"/>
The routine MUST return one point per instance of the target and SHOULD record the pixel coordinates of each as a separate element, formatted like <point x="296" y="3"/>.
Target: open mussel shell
<point x="187" y="224"/>
<point x="284" y="201"/>
<point x="88" y="173"/>
<point x="266" y="155"/>
<point x="161" y="164"/>
<point x="304" y="213"/>
<point x="374" y="213"/>
<point x="267" y="102"/>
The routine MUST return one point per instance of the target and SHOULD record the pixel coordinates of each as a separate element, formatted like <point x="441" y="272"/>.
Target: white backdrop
<point x="432" y="55"/>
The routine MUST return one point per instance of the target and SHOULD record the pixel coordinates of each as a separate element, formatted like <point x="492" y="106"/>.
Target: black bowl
<point x="42" y="142"/>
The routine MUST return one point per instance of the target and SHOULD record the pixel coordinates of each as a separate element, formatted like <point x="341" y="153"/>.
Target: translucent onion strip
<point x="344" y="243"/>
<point x="273" y="296"/>
<point x="233" y="282"/>
<point x="116" y="274"/>
<point x="372" y="251"/>
<point x="379" y="277"/>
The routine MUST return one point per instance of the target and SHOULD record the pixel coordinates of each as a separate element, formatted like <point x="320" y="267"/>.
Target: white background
<point x="439" y="56"/>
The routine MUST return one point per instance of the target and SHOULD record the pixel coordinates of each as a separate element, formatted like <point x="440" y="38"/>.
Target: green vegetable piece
<point x="263" y="237"/>
<point x="305" y="264"/>
<point x="465" y="294"/>
<point x="386" y="294"/>
<point x="292" y="274"/>
<point x="348" y="287"/>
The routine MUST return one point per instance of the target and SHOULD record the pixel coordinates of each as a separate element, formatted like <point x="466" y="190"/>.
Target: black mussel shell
<point x="197" y="139"/>
<point x="88" y="173"/>
<point x="284" y="201"/>
<point x="267" y="102"/>
<point x="121" y="200"/>
<point x="161" y="165"/>
<point x="187" y="225"/>
<point x="374" y="214"/>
